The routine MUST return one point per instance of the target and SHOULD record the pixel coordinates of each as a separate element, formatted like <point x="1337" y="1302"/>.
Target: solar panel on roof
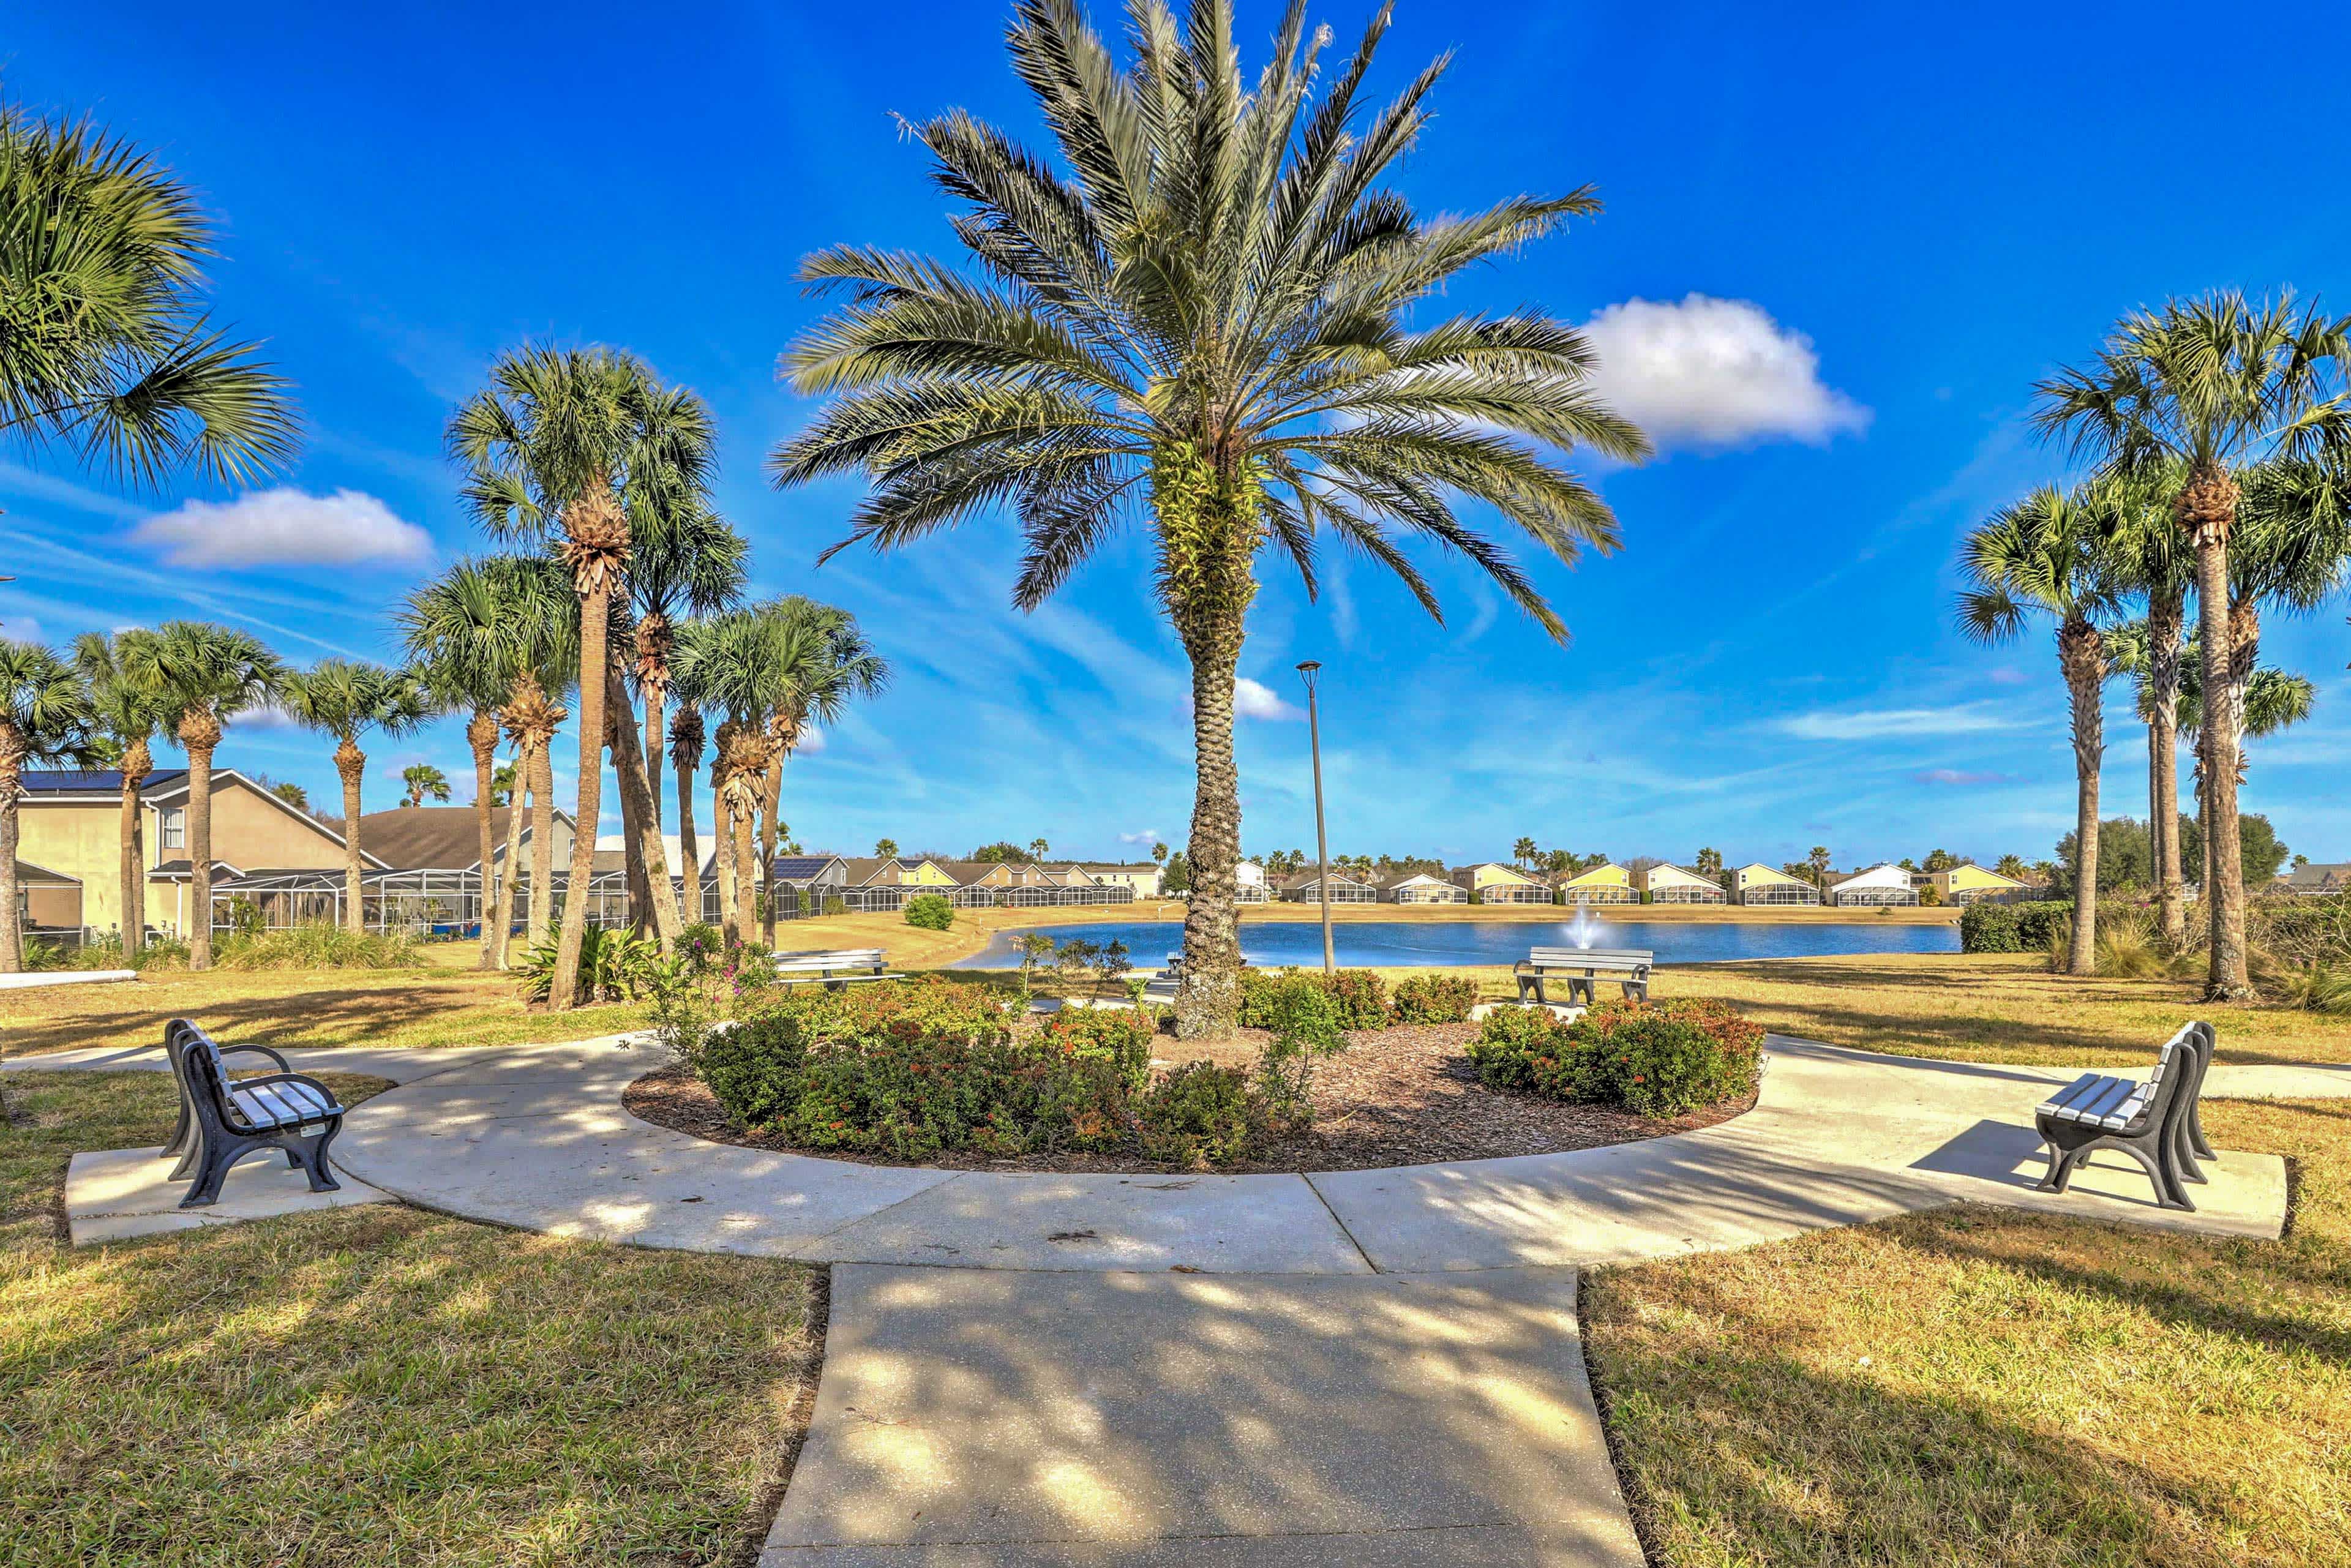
<point x="798" y="868"/>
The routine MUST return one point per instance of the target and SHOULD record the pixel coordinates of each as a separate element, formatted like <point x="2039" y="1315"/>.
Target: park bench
<point x="226" y="1119"/>
<point x="834" y="968"/>
<point x="2154" y="1121"/>
<point x="1162" y="988"/>
<point x="1582" y="968"/>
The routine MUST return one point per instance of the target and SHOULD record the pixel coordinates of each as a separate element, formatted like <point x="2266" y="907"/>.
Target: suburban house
<point x="1248" y="883"/>
<point x="1492" y="882"/>
<point x="2316" y="877"/>
<point x="1879" y="886"/>
<point x="1976" y="884"/>
<point x="69" y="828"/>
<point x="1664" y="884"/>
<point x="1421" y="887"/>
<point x="47" y="899"/>
<point x="1306" y="887"/>
<point x="449" y="838"/>
<point x="1143" y="876"/>
<point x="1762" y="884"/>
<point x="1609" y="883"/>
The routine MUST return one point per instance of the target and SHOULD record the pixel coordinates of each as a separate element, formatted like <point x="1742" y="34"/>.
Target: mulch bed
<point x="1401" y="1096"/>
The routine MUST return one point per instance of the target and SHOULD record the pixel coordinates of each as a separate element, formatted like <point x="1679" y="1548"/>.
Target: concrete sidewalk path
<point x="982" y="1418"/>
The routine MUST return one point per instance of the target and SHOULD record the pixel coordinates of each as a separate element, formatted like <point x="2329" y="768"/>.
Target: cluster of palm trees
<point x="2219" y="432"/>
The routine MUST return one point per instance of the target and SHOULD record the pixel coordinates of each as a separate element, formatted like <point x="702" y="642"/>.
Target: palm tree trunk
<point x="643" y="823"/>
<point x="542" y="841"/>
<point x="200" y="834"/>
<point x="724" y="824"/>
<point x="497" y="914"/>
<point x="747" y="881"/>
<point x="595" y="663"/>
<point x="131" y="840"/>
<point x="1208" y="1000"/>
<point x="350" y="763"/>
<point x="2163" y="626"/>
<point x="2207" y="502"/>
<point x="2081" y="654"/>
<point x="482" y="734"/>
<point x="784" y="734"/>
<point x="12" y="777"/>
<point x="688" y="848"/>
<point x="652" y="746"/>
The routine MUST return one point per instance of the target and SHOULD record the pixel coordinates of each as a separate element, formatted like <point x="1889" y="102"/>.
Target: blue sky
<point x="1886" y="226"/>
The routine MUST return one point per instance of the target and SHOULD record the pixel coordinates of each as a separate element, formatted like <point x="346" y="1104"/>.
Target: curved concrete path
<point x="1375" y="1367"/>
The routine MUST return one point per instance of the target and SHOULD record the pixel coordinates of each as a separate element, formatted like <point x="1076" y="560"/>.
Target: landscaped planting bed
<point x="938" y="1074"/>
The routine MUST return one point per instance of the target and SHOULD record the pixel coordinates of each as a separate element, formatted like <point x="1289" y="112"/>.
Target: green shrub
<point x="1658" y="1059"/>
<point x="1306" y="1017"/>
<point x="2013" y="927"/>
<point x="930" y="911"/>
<point x="317" y="947"/>
<point x="1433" y="999"/>
<point x="615" y="965"/>
<point x="1199" y="1116"/>
<point x="1359" y="996"/>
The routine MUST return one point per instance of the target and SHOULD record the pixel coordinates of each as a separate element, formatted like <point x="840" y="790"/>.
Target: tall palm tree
<point x="2266" y="702"/>
<point x="45" y="716"/>
<point x="737" y="664"/>
<point x="2291" y="555"/>
<point x="2046" y="554"/>
<point x="107" y="347"/>
<point x="207" y="673"/>
<point x="344" y="698"/>
<point x="686" y="565"/>
<point x="685" y="741"/>
<point x="2216" y="384"/>
<point x="1524" y="852"/>
<point x="2152" y="561"/>
<point x="1198" y="321"/>
<point x="424" y="782"/>
<point x="127" y="714"/>
<point x="568" y="447"/>
<point x="827" y="664"/>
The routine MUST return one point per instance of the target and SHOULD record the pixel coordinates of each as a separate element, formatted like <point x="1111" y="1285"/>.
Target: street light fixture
<point x="1308" y="669"/>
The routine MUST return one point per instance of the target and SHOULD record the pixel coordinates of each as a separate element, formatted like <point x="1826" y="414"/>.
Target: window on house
<point x="175" y="827"/>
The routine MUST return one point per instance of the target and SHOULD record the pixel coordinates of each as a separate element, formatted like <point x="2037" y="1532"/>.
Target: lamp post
<point x="1321" y="837"/>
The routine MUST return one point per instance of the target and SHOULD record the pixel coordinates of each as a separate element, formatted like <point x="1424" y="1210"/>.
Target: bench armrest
<point x="269" y="1051"/>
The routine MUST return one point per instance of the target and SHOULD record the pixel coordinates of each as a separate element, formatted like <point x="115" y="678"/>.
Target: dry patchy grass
<point x="1976" y="1388"/>
<point x="373" y="1386"/>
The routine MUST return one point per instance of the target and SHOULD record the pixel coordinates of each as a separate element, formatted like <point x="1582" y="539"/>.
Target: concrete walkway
<point x="1375" y="1367"/>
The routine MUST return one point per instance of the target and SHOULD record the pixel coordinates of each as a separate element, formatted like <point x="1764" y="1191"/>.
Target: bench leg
<point x="2196" y="1144"/>
<point x="1581" y="986"/>
<point x="1638" y="990"/>
<point x="182" y="1129"/>
<point x="215" y="1168"/>
<point x="311" y="1155"/>
<point x="2182" y="1157"/>
<point x="192" y="1154"/>
<point x="2061" y="1169"/>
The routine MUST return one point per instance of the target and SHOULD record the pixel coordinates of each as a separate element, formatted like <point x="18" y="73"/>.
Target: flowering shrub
<point x="1658" y="1059"/>
<point x="1360" y="995"/>
<point x="1199" y="1116"/>
<point x="1433" y="999"/>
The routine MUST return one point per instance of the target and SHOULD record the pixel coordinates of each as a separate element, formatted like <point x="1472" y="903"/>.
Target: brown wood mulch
<point x="1400" y="1096"/>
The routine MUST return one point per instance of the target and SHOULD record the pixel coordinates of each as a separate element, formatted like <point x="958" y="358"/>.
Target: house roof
<point x="1679" y="876"/>
<point x="802" y="868"/>
<point x="1758" y="872"/>
<point x="1982" y="874"/>
<point x="1309" y="878"/>
<point x="2318" y="876"/>
<point x="105" y="781"/>
<point x="862" y="869"/>
<point x="1401" y="878"/>
<point x="436" y="838"/>
<point x="1608" y="871"/>
<point x="31" y="875"/>
<point x="182" y="868"/>
<point x="1884" y="875"/>
<point x="1505" y="867"/>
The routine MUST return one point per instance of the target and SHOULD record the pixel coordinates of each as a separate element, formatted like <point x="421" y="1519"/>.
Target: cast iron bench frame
<point x="2156" y="1123"/>
<point x="224" y="1119"/>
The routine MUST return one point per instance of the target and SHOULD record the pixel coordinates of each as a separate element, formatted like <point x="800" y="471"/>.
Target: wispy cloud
<point x="1888" y="724"/>
<point x="1715" y="372"/>
<point x="284" y="527"/>
<point x="1960" y="777"/>
<point x="1141" y="836"/>
<point x="1254" y="699"/>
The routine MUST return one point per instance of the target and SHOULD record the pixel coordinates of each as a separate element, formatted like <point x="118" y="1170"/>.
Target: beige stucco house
<point x="1975" y="884"/>
<point x="1667" y="884"/>
<point x="1492" y="882"/>
<point x="1608" y="883"/>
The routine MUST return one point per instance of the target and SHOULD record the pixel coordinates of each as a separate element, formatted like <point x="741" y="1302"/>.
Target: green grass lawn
<point x="1977" y="1388"/>
<point x="372" y="1385"/>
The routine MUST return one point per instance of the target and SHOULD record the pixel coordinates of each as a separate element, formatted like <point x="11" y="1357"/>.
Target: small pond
<point x="1434" y="943"/>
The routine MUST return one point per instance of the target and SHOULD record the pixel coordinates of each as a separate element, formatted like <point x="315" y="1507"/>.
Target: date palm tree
<point x="45" y="717"/>
<point x="568" y="446"/>
<point x="207" y="673"/>
<point x="828" y="665"/>
<point x="2152" y="562"/>
<point x="2217" y="385"/>
<point x="344" y="698"/>
<point x="1202" y="317"/>
<point x="107" y="347"/>
<point x="2046" y="555"/>
<point x="126" y="715"/>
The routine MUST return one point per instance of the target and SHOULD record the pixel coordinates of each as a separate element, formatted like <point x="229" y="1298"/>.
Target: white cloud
<point x="284" y="527"/>
<point x="1143" y="836"/>
<point x="811" y="742"/>
<point x="1254" y="699"/>
<point x="20" y="628"/>
<point x="1888" y="724"/>
<point x="256" y="719"/>
<point x="1715" y="372"/>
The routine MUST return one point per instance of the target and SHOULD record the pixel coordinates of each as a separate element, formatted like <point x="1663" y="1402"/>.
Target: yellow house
<point x="1666" y="883"/>
<point x="1492" y="882"/>
<point x="1609" y="883"/>
<point x="1761" y="885"/>
<point x="69" y="823"/>
<point x="1975" y="884"/>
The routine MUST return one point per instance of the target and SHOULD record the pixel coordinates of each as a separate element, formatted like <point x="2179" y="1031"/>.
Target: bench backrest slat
<point x="1593" y="955"/>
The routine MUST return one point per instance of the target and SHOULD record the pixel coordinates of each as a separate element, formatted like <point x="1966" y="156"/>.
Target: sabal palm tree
<point x="567" y="447"/>
<point x="107" y="348"/>
<point x="2265" y="703"/>
<point x="1198" y="321"/>
<point x="828" y="665"/>
<point x="2217" y="385"/>
<point x="424" y="782"/>
<point x="687" y="565"/>
<point x="207" y="674"/>
<point x="460" y="634"/>
<point x="2046" y="555"/>
<point x="45" y="716"/>
<point x="1524" y="852"/>
<point x="736" y="665"/>
<point x="2153" y="561"/>
<point x="344" y="698"/>
<point x="127" y="713"/>
<point x="2289" y="556"/>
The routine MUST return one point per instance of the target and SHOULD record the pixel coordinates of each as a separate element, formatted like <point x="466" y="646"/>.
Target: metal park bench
<point x="2154" y="1123"/>
<point x="1162" y="988"/>
<point x="222" y="1119"/>
<point x="1582" y="968"/>
<point x="835" y="969"/>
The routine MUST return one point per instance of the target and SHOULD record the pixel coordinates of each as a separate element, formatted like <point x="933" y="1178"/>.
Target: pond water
<point x="1436" y="944"/>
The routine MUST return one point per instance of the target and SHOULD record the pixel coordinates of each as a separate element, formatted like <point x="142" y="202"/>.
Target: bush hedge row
<point x="1362" y="999"/>
<point x="2012" y="927"/>
<point x="1659" y="1059"/>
